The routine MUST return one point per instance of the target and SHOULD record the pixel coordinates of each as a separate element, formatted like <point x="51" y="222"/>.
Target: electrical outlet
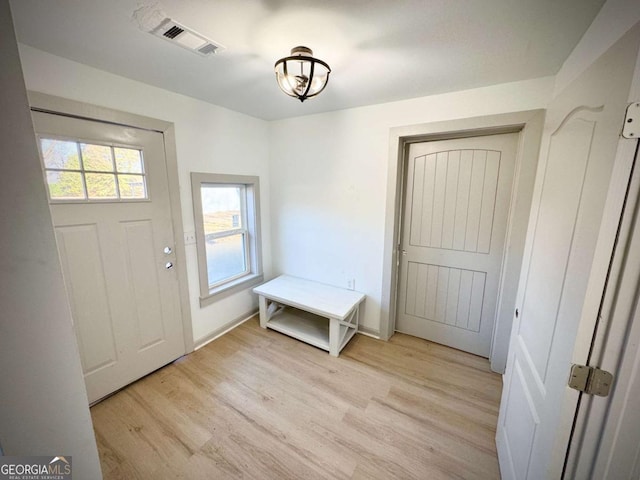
<point x="351" y="284"/>
<point x="189" y="238"/>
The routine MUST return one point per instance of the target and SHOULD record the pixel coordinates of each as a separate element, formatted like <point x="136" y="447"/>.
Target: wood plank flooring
<point x="256" y="404"/>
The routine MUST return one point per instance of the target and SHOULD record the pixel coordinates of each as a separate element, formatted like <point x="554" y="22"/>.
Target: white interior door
<point x="109" y="202"/>
<point x="614" y="435"/>
<point x="456" y="208"/>
<point x="605" y="443"/>
<point x="563" y="279"/>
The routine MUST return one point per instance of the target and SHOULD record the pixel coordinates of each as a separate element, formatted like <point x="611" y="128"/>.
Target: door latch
<point x="590" y="380"/>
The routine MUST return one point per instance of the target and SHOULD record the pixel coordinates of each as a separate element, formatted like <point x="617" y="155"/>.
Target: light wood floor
<point x="256" y="404"/>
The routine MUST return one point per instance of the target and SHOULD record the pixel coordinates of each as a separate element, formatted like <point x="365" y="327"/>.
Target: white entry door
<point x="456" y="206"/>
<point x="109" y="202"/>
<point x="563" y="276"/>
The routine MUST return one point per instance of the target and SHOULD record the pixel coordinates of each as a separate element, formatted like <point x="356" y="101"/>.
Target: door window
<point x="77" y="171"/>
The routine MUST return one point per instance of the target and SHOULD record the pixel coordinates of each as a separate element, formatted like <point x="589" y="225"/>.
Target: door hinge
<point x="631" y="127"/>
<point x="590" y="380"/>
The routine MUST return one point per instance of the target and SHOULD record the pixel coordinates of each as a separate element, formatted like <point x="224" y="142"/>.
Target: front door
<point x="456" y="205"/>
<point x="109" y="202"/>
<point x="573" y="182"/>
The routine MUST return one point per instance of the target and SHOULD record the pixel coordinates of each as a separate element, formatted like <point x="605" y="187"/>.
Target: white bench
<point x="321" y="315"/>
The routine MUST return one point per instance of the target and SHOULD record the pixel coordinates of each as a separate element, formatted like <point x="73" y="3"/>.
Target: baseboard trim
<point x="227" y="327"/>
<point x="369" y="332"/>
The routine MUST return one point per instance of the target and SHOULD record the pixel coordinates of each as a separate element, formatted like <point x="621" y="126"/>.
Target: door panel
<point x="557" y="221"/>
<point x="456" y="207"/>
<point x="452" y="296"/>
<point x="81" y="258"/>
<point x="143" y="276"/>
<point x="572" y="186"/>
<point x="520" y="420"/>
<point x="123" y="297"/>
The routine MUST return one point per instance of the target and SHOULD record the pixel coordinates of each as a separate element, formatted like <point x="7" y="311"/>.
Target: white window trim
<point x="250" y="209"/>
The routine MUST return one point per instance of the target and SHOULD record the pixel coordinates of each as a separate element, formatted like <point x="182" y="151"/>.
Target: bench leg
<point x="262" y="303"/>
<point x="334" y="337"/>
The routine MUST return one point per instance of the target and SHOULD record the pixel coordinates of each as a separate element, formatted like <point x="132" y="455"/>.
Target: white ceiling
<point x="379" y="50"/>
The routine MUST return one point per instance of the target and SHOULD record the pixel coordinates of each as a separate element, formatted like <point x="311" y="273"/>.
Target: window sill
<point x="230" y="288"/>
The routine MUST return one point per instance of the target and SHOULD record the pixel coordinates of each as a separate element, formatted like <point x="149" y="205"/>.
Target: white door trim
<point x="529" y="124"/>
<point x="63" y="106"/>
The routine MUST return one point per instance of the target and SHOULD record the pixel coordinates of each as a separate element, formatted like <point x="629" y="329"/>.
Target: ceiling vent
<point x="178" y="34"/>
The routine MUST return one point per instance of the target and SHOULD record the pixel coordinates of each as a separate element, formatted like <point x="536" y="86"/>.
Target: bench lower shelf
<point x="304" y="326"/>
<point x="308" y="327"/>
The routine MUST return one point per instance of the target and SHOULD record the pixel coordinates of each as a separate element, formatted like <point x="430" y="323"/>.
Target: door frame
<point x="42" y="102"/>
<point x="528" y="124"/>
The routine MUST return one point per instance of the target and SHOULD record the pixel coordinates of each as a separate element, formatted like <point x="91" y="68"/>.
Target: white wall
<point x="323" y="176"/>
<point x="329" y="179"/>
<point x="208" y="139"/>
<point x="43" y="401"/>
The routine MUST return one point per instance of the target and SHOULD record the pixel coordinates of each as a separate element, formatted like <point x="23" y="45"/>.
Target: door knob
<point x="168" y="265"/>
<point x="167" y="250"/>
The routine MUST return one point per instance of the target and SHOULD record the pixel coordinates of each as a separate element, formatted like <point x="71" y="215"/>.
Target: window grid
<point x="115" y="172"/>
<point x="232" y="232"/>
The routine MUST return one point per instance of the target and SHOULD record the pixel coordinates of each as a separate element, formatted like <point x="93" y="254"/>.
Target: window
<point x="227" y="217"/>
<point x="76" y="171"/>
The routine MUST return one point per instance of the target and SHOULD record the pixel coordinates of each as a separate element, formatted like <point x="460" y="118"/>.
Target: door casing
<point x="63" y="106"/>
<point x="529" y="125"/>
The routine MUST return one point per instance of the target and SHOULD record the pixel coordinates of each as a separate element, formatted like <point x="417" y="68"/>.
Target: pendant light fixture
<point x="300" y="75"/>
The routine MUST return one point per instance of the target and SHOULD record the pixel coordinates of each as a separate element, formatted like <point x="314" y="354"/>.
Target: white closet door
<point x="455" y="218"/>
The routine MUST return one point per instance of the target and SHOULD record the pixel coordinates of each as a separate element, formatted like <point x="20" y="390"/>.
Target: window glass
<point x="128" y="160"/>
<point x="224" y="237"/>
<point x="65" y="185"/>
<point x="225" y="257"/>
<point x="101" y="185"/>
<point x="96" y="158"/>
<point x="132" y="186"/>
<point x="60" y="154"/>
<point x="77" y="171"/>
<point x="221" y="207"/>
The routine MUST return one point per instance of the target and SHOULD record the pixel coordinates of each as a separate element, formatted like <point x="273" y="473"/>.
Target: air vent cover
<point x="178" y="34"/>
